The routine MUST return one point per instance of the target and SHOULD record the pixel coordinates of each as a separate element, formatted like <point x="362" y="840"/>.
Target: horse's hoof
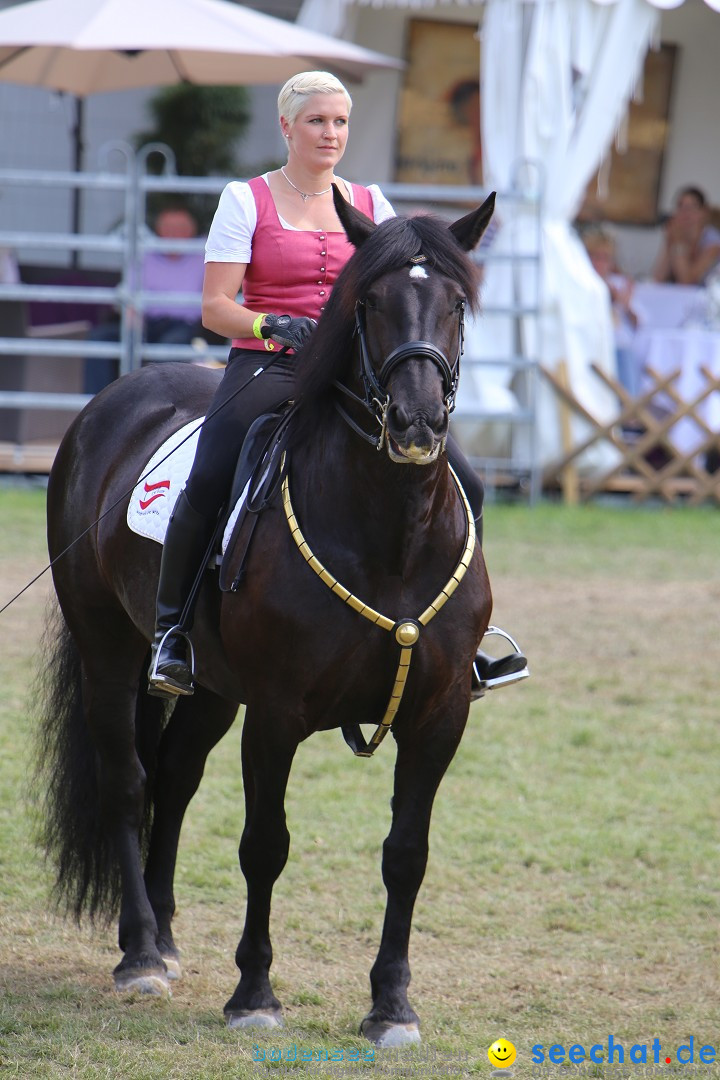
<point x="385" y="1034"/>
<point x="142" y="982"/>
<point x="249" y="1018"/>
<point x="174" y="971"/>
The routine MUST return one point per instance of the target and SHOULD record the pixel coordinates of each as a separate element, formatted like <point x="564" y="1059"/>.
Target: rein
<point x="376" y="397"/>
<point x="405" y="630"/>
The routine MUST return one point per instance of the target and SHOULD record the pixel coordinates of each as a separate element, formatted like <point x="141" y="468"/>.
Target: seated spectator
<point x="691" y="246"/>
<point x="164" y="323"/>
<point x="600" y="246"/>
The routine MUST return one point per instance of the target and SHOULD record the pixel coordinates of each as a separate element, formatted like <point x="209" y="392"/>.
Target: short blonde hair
<point x="294" y="94"/>
<point x="596" y="238"/>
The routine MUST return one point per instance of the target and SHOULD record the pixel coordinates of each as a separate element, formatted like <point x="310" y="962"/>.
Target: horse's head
<point x="412" y="282"/>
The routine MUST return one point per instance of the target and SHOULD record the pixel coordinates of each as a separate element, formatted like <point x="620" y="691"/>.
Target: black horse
<point x="363" y="600"/>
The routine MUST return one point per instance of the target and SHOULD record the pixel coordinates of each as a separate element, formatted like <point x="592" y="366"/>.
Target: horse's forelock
<point x="398" y="240"/>
<point x="388" y="248"/>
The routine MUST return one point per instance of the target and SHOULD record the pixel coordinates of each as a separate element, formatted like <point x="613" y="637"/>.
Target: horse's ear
<point x="468" y="230"/>
<point x="356" y="224"/>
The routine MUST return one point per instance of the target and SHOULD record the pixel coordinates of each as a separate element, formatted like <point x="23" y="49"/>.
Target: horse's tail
<point x="87" y="879"/>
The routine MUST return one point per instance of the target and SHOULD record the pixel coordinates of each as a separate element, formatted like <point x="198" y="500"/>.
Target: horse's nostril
<point x="399" y="417"/>
<point x="440" y="421"/>
<point x="402" y="420"/>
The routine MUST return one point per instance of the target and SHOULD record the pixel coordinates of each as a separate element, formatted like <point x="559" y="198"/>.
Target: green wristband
<point x="257" y="324"/>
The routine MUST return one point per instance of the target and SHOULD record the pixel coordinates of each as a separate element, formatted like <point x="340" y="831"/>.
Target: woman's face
<point x="689" y="211"/>
<point x="319" y="135"/>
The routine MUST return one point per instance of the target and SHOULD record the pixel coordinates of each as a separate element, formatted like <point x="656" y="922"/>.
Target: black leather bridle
<point x="376" y="397"/>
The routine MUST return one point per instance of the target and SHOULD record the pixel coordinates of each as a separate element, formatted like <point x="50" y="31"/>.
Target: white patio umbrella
<point x="86" y="47"/>
<point x="89" y="46"/>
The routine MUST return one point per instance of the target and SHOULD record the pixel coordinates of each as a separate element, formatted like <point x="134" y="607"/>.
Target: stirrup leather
<point x="165" y="682"/>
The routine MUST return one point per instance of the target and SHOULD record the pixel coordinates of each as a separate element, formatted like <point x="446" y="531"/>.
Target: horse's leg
<point x="196" y="726"/>
<point x="422" y="759"/>
<point x="263" y="853"/>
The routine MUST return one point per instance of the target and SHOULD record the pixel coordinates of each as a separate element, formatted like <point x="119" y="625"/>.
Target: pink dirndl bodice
<point x="292" y="272"/>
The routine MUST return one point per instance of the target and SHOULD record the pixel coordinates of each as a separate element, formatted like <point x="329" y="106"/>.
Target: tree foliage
<point x="203" y="126"/>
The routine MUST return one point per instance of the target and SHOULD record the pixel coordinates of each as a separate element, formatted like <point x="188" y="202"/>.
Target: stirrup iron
<point x="497" y="631"/>
<point x="515" y="664"/>
<point x="165" y="685"/>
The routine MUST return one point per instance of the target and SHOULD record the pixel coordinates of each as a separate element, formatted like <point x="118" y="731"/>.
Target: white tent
<point x="557" y="76"/>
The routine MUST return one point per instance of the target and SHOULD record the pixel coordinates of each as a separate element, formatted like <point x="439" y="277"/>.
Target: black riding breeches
<point x="222" y="436"/>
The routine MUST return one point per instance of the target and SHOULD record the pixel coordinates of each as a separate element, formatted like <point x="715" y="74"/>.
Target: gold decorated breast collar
<point x="406" y="631"/>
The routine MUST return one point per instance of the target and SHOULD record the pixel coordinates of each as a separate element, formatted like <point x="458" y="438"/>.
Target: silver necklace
<point x="304" y="195"/>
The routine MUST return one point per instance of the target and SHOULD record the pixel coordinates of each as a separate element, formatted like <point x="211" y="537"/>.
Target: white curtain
<point x="556" y="79"/>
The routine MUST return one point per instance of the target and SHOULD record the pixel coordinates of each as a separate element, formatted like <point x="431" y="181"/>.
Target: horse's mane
<point x="390" y="247"/>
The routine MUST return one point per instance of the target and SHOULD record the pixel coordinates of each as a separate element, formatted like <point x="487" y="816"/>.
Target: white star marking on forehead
<point x="418" y="272"/>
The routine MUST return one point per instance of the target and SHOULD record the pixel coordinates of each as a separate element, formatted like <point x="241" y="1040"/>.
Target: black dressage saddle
<point x="260" y="470"/>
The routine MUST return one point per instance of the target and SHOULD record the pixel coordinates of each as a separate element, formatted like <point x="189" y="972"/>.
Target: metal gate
<point x="133" y="239"/>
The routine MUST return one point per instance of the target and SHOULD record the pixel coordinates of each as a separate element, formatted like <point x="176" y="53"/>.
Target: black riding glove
<point x="288" y="331"/>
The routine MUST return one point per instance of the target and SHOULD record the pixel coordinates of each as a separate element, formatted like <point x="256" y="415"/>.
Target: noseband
<point x="376" y="397"/>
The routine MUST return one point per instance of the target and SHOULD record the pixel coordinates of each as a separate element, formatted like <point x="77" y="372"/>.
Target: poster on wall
<point x="626" y="187"/>
<point x="438" y="131"/>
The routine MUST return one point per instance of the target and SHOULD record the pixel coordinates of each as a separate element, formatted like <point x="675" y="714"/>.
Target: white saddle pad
<point x="162" y="480"/>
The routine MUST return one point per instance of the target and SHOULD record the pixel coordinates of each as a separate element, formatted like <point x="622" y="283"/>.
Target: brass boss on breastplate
<point x="407" y="633"/>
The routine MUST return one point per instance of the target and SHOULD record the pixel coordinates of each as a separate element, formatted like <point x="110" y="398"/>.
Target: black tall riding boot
<point x="186" y="542"/>
<point x="488" y="672"/>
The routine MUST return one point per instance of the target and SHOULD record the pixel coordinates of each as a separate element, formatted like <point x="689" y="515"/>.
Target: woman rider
<point x="278" y="240"/>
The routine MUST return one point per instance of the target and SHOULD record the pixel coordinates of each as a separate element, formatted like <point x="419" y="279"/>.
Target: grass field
<point x="572" y="893"/>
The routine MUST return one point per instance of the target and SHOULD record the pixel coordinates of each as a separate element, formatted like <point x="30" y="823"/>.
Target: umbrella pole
<point x="78" y="153"/>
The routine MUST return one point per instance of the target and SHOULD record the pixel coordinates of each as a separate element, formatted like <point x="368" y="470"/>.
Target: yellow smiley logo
<point x="501" y="1054"/>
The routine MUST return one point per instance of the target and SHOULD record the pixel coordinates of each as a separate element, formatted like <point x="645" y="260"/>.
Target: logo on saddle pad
<point x="154" y="493"/>
<point x="162" y="480"/>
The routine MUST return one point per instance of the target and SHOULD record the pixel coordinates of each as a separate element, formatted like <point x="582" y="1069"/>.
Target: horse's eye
<point x="460" y="304"/>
